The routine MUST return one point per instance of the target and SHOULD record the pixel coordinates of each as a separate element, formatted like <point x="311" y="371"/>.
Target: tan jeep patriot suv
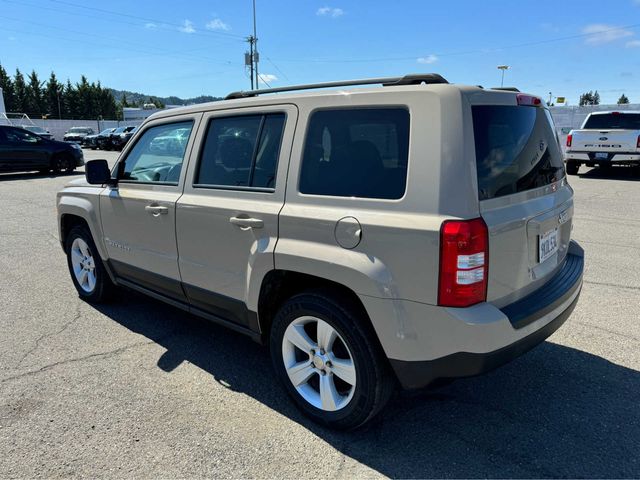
<point x="371" y="236"/>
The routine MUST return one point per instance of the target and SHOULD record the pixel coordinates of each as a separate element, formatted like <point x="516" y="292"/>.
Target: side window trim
<point x="254" y="156"/>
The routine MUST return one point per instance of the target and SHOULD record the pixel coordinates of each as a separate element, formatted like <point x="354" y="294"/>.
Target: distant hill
<point x="141" y="98"/>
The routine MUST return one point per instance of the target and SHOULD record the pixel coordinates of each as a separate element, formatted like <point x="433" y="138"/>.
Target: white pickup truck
<point x="605" y="139"/>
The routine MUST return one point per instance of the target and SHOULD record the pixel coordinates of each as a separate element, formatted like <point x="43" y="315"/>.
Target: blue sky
<point x="196" y="47"/>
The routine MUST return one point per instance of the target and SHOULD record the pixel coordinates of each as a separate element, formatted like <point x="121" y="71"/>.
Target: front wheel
<point x="328" y="361"/>
<point x="572" y="168"/>
<point x="85" y="266"/>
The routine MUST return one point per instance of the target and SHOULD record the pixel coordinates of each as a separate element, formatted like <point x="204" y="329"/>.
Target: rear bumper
<point x="529" y="322"/>
<point x="613" y="158"/>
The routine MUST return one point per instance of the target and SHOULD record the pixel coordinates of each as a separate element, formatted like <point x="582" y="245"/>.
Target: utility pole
<point x="248" y="57"/>
<point x="256" y="55"/>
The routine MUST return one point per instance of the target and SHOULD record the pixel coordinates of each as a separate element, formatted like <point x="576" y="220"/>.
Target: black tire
<point x="62" y="162"/>
<point x="375" y="382"/>
<point x="572" y="168"/>
<point x="104" y="287"/>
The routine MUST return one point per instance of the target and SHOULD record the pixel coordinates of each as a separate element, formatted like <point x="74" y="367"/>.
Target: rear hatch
<point x="523" y="194"/>
<point x="608" y="132"/>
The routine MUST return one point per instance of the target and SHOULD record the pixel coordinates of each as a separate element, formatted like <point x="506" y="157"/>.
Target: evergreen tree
<point x="70" y="96"/>
<point x="590" y="98"/>
<point x="20" y="92"/>
<point x="623" y="100"/>
<point x="35" y="96"/>
<point x="53" y="97"/>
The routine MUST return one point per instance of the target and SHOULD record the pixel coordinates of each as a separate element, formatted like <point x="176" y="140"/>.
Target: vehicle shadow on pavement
<point x="5" y="177"/>
<point x="555" y="412"/>
<point x="612" y="173"/>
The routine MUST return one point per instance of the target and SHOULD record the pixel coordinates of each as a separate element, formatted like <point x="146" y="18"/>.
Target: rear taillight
<point x="528" y="100"/>
<point x="569" y="140"/>
<point x="464" y="261"/>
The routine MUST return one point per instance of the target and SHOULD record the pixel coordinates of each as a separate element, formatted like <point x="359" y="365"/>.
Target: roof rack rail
<point x="506" y="89"/>
<point x="413" y="79"/>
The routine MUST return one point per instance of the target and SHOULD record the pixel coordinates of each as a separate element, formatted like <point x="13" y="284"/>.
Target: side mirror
<point x="97" y="172"/>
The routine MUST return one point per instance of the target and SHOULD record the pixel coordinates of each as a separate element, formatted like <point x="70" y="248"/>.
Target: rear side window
<point x="242" y="151"/>
<point x="609" y="121"/>
<point x="356" y="153"/>
<point x="516" y="149"/>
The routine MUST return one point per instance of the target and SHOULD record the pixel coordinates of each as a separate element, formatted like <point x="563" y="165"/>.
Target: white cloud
<point x="330" y="12"/>
<point x="428" y="59"/>
<point x="187" y="27"/>
<point x="600" y="33"/>
<point x="633" y="44"/>
<point x="217" y="24"/>
<point x="150" y="25"/>
<point x="267" y="78"/>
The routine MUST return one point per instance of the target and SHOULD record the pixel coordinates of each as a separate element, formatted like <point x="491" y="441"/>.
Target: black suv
<point x="97" y="140"/>
<point x="120" y="136"/>
<point x="21" y="151"/>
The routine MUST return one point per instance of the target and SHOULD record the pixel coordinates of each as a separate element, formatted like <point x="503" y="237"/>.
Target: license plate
<point x="602" y="155"/>
<point x="548" y="245"/>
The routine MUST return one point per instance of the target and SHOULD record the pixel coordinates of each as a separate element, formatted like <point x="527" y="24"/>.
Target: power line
<point x="175" y="54"/>
<point x="465" y="52"/>
<point x="145" y="19"/>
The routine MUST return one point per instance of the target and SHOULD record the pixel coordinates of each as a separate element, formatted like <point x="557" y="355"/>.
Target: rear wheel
<point x="328" y="361"/>
<point x="85" y="266"/>
<point x="572" y="168"/>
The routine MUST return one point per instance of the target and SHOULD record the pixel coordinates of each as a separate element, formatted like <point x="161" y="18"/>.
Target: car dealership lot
<point x="137" y="388"/>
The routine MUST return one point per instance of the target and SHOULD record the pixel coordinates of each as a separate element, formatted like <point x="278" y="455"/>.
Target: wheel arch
<point x="74" y="211"/>
<point x="280" y="285"/>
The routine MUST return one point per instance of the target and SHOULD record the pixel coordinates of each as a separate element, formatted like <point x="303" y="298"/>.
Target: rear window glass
<point x="516" y="149"/>
<point x="356" y="153"/>
<point x="607" y="121"/>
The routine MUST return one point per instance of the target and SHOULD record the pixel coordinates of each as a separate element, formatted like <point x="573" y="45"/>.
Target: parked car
<point x="120" y="140"/>
<point x="93" y="141"/>
<point x="605" y="139"/>
<point x="77" y="134"/>
<point x="38" y="131"/>
<point x="117" y="137"/>
<point x="395" y="235"/>
<point x="23" y="151"/>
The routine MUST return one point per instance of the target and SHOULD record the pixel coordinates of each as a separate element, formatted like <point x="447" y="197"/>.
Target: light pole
<point x="503" y="68"/>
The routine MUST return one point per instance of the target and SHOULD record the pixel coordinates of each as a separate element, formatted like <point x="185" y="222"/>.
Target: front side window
<point x="241" y="151"/>
<point x="158" y="155"/>
<point x="356" y="153"/>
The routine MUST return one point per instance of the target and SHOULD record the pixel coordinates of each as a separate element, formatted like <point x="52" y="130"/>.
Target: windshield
<point x="78" y="130"/>
<point x="610" y="121"/>
<point x="107" y="131"/>
<point x="119" y="130"/>
<point x="516" y="149"/>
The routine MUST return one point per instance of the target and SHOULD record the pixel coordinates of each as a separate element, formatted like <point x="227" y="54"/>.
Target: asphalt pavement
<point x="139" y="389"/>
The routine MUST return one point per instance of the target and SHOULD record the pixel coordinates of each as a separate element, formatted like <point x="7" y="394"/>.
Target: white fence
<point x="59" y="127"/>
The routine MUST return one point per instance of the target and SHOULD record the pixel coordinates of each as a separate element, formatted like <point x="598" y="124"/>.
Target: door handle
<point x="156" y="210"/>
<point x="247" y="222"/>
